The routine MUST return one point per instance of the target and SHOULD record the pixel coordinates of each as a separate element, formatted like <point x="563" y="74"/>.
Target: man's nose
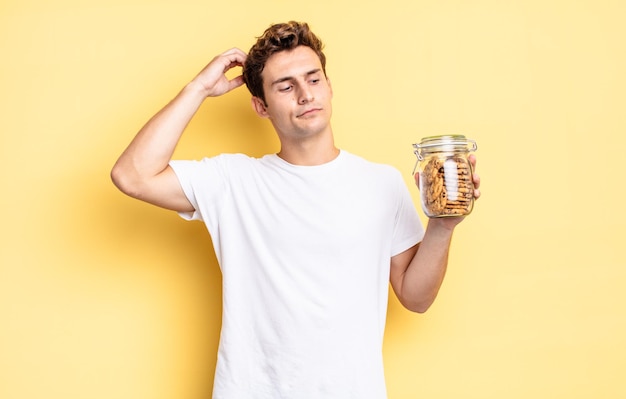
<point x="305" y="96"/>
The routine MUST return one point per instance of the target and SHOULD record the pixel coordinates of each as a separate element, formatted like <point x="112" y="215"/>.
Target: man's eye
<point x="285" y="88"/>
<point x="315" y="81"/>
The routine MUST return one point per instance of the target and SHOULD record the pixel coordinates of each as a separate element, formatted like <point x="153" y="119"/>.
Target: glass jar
<point x="445" y="175"/>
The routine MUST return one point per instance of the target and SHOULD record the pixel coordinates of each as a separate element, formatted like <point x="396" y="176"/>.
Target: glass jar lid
<point x="444" y="143"/>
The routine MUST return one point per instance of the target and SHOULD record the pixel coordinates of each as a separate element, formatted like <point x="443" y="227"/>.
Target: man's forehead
<point x="300" y="61"/>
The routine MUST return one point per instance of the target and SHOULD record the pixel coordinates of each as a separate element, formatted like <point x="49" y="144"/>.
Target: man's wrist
<point x="196" y="88"/>
<point x="445" y="223"/>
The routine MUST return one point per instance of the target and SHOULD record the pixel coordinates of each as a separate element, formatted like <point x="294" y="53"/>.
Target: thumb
<point x="235" y="82"/>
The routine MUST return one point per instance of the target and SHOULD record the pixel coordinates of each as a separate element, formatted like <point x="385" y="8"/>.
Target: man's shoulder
<point x="369" y="165"/>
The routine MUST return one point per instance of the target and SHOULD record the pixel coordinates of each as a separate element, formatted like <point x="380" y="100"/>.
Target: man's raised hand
<point x="213" y="77"/>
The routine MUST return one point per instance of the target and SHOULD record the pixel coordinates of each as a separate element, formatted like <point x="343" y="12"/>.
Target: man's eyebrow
<point x="286" y="78"/>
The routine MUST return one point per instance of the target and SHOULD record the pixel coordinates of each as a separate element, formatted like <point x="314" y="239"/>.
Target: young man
<point x="307" y="239"/>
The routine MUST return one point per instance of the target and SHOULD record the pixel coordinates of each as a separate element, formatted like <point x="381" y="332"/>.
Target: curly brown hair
<point x="277" y="38"/>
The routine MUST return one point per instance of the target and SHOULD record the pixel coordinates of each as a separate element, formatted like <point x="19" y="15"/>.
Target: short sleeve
<point x="408" y="229"/>
<point x="202" y="182"/>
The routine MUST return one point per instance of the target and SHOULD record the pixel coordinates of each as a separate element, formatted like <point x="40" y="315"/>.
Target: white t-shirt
<point x="305" y="254"/>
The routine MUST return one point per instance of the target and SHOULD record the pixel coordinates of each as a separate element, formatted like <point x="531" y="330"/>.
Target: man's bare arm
<point x="416" y="274"/>
<point x="142" y="171"/>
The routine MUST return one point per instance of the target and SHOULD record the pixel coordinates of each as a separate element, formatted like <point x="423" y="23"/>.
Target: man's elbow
<point x="418" y="306"/>
<point x="124" y="181"/>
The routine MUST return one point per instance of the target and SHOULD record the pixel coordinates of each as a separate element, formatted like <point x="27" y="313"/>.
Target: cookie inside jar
<point x="446" y="186"/>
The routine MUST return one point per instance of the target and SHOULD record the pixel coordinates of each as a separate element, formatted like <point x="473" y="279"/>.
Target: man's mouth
<point x="308" y="112"/>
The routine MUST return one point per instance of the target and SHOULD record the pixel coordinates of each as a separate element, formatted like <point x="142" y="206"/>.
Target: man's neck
<point x="308" y="152"/>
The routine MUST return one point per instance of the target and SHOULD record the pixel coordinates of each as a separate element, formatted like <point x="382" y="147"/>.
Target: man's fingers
<point x="472" y="159"/>
<point x="476" y="188"/>
<point x="235" y="82"/>
<point x="235" y="56"/>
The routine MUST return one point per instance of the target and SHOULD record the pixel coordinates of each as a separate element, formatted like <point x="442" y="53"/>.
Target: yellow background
<point x="105" y="297"/>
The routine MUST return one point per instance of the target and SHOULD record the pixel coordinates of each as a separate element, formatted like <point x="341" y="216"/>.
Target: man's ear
<point x="259" y="106"/>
